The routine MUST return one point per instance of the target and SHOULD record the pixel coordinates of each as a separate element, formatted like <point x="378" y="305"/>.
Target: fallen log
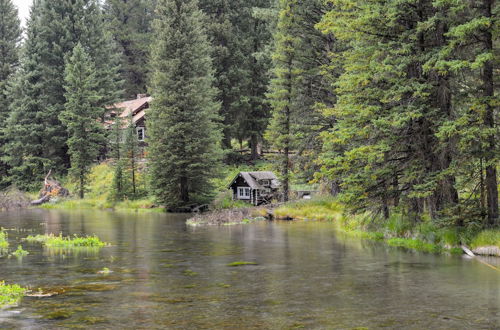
<point x="41" y="201"/>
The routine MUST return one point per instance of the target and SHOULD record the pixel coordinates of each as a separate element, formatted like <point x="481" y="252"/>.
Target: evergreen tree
<point x="283" y="88"/>
<point x="241" y="72"/>
<point x="26" y="150"/>
<point x="81" y="115"/>
<point x="10" y="37"/>
<point x="392" y="104"/>
<point x="183" y="134"/>
<point x="129" y="22"/>
<point x="469" y="59"/>
<point x="54" y="29"/>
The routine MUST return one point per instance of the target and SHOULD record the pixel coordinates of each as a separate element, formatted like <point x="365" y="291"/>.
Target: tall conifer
<point x="54" y="29"/>
<point x="81" y="115"/>
<point x="10" y="37"/>
<point x="183" y="135"/>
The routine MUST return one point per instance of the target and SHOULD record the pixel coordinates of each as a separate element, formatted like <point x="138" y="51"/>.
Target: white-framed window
<point x="141" y="133"/>
<point x="265" y="182"/>
<point x="243" y="193"/>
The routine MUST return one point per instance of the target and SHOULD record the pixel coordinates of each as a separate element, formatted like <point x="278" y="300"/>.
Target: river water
<point x="164" y="275"/>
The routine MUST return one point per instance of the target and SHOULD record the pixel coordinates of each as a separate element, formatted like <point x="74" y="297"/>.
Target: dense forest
<point x="392" y="106"/>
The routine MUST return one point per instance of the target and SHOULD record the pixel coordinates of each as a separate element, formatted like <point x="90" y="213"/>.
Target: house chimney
<point x="140" y="96"/>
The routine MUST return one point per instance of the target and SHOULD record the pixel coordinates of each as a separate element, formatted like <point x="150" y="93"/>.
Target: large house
<point x="255" y="187"/>
<point x="135" y="109"/>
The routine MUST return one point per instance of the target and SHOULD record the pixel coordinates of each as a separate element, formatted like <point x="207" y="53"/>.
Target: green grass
<point x="415" y="244"/>
<point x="99" y="194"/>
<point x="10" y="294"/>
<point x="66" y="242"/>
<point x="486" y="238"/>
<point x="322" y="208"/>
<point x="242" y="263"/>
<point x="20" y="252"/>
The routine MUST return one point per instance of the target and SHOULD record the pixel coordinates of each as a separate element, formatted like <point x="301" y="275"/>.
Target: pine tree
<point x="183" y="135"/>
<point x="81" y="115"/>
<point x="25" y="152"/>
<point x="129" y="22"/>
<point x="283" y="88"/>
<point x="54" y="29"/>
<point x="10" y="37"/>
<point x="241" y="72"/>
<point x="391" y="105"/>
<point x="469" y="59"/>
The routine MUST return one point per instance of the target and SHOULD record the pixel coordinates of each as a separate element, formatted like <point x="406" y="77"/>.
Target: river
<point x="165" y="275"/>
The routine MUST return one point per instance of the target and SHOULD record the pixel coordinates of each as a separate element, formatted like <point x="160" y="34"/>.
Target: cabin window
<point x="243" y="193"/>
<point x="265" y="182"/>
<point x="141" y="133"/>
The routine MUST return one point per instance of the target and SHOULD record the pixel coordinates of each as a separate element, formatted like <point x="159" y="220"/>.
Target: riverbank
<point x="395" y="231"/>
<point x="142" y="205"/>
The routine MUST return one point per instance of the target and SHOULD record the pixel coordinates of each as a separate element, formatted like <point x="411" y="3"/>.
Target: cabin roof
<point x="252" y="178"/>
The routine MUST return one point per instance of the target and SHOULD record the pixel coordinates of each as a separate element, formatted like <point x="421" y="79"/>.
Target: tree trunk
<point x="254" y="143"/>
<point x="489" y="121"/>
<point x="184" y="189"/>
<point x="82" y="186"/>
<point x="226" y="139"/>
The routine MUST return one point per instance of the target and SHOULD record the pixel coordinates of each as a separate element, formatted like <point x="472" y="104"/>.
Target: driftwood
<point x="51" y="188"/>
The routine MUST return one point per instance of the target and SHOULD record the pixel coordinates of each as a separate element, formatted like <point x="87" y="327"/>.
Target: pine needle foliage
<point x="183" y="134"/>
<point x="81" y="115"/>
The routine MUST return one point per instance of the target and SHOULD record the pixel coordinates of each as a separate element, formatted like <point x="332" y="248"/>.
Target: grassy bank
<point x="99" y="194"/>
<point x="142" y="205"/>
<point x="395" y="231"/>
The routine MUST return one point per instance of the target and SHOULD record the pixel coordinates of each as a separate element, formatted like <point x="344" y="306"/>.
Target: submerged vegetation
<point x="10" y="294"/>
<point x="50" y="240"/>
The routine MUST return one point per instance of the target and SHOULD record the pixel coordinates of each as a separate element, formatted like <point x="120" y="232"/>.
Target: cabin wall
<point x="239" y="182"/>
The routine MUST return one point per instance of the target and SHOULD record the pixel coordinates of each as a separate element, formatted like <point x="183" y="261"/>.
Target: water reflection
<point x="164" y="275"/>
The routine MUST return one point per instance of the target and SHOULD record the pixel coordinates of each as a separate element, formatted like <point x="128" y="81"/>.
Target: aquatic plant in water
<point x="51" y="240"/>
<point x="10" y="294"/>
<point x="4" y="244"/>
<point x="20" y="252"/>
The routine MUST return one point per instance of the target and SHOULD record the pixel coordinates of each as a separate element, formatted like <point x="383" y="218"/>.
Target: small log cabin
<point x="256" y="188"/>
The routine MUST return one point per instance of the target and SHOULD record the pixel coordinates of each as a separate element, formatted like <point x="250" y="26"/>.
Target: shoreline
<point x="329" y="210"/>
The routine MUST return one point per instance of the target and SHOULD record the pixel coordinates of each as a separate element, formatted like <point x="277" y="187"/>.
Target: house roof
<point x="132" y="106"/>
<point x="135" y="107"/>
<point x="252" y="179"/>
